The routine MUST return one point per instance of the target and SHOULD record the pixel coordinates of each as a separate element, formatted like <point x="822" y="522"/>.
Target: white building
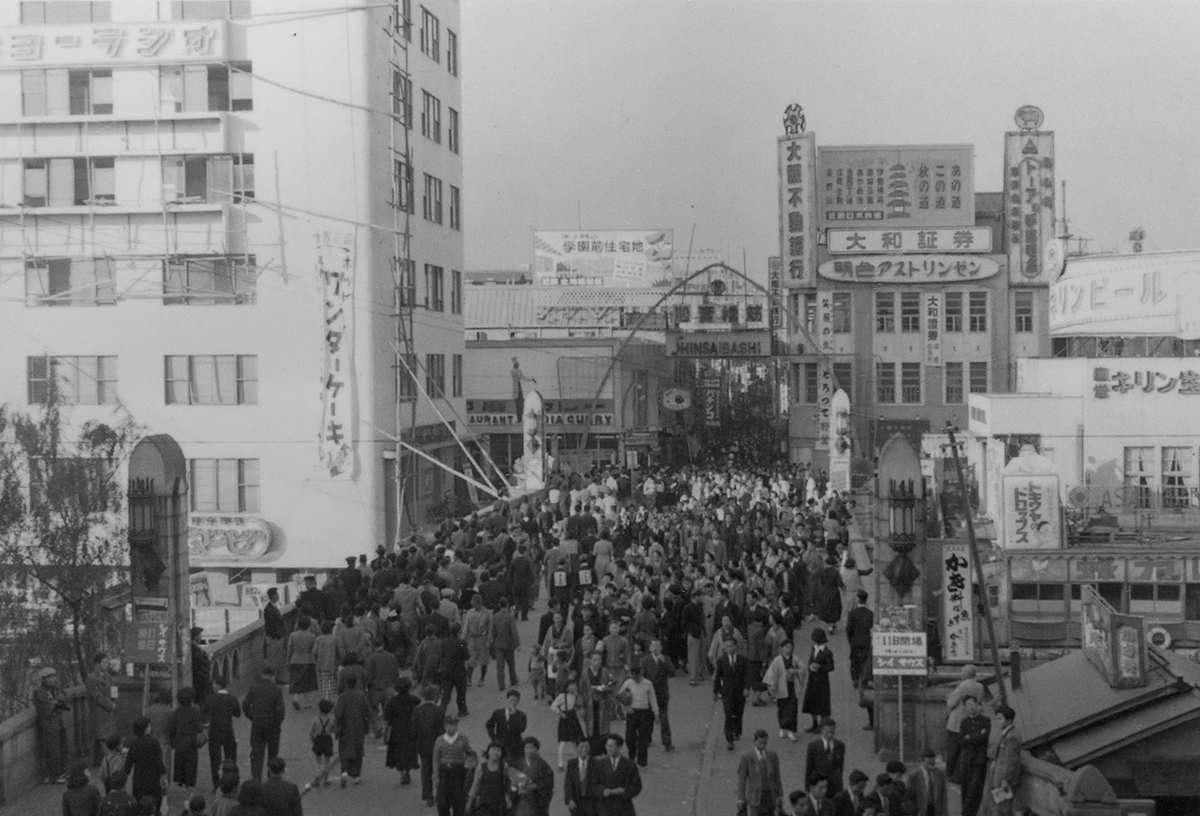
<point x="221" y="191"/>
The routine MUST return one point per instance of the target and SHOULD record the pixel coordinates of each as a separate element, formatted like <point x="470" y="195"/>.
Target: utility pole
<point x="987" y="606"/>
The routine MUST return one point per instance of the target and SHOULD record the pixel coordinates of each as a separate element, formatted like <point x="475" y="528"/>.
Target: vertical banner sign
<point x="1029" y="192"/>
<point x="775" y="286"/>
<point x="711" y="403"/>
<point x="839" y="442"/>
<point x="958" y="604"/>
<point x="797" y="209"/>
<point x="933" y="328"/>
<point x="1031" y="513"/>
<point x="534" y="456"/>
<point x="824" y="370"/>
<point x="335" y="276"/>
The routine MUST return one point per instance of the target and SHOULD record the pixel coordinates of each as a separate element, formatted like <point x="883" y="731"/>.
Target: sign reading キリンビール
<point x="798" y="209"/>
<point x="901" y="186"/>
<point x="36" y="46"/>
<point x="335" y="276"/>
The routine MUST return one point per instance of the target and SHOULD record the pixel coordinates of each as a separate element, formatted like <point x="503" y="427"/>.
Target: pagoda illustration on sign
<point x="898" y="202"/>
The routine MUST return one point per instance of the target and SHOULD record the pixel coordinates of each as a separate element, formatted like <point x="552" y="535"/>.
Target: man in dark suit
<point x="220" y="709"/>
<point x="848" y="801"/>
<point x="760" y="786"/>
<point x="313" y="598"/>
<point x="729" y="684"/>
<point x="827" y="757"/>
<point x="577" y="787"/>
<point x="520" y="581"/>
<point x="507" y="727"/>
<point x="927" y="786"/>
<point x="658" y="669"/>
<point x="429" y="723"/>
<point x="263" y="706"/>
<point x="617" y="781"/>
<point x="280" y="797"/>
<point x="812" y="802"/>
<point x="859" y="622"/>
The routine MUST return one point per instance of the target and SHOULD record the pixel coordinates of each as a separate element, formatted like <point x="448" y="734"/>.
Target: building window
<point x="1038" y="599"/>
<point x="979" y="378"/>
<point x="954" y="383"/>
<point x="885" y="382"/>
<point x="910" y="383"/>
<point x="841" y="312"/>
<point x="403" y="18"/>
<point x="1178" y="477"/>
<point x="810" y="312"/>
<point x="209" y="280"/>
<point x="812" y="385"/>
<point x="224" y="485"/>
<point x="186" y="178"/>
<point x="402" y="187"/>
<point x="243" y="176"/>
<point x="69" y="182"/>
<point x="72" y="380"/>
<point x="456" y="292"/>
<point x="402" y="95"/>
<point x="407" y="270"/>
<point x="978" y="312"/>
<point x="69" y="282"/>
<point x="456" y="375"/>
<point x="1156" y="600"/>
<point x="432" y="203"/>
<point x="204" y="88"/>
<point x="452" y="131"/>
<point x="406" y="384"/>
<point x="910" y="312"/>
<point x="455" y="208"/>
<point x="431" y="45"/>
<point x="209" y="9"/>
<point x="431" y="117"/>
<point x="207" y="379"/>
<point x="435" y="375"/>
<point x="954" y="312"/>
<point x="59" y="91"/>
<point x="1023" y="312"/>
<point x="885" y="311"/>
<point x="435" y="282"/>
<point x="1139" y="477"/>
<point x="843" y="378"/>
<point x="57" y="13"/>
<point x="451" y="52"/>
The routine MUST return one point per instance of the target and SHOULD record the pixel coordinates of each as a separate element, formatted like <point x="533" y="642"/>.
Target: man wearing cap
<point x="50" y="703"/>
<point x="927" y="785"/>
<point x="452" y="754"/>
<point x="263" y="707"/>
<point x="848" y="801"/>
<point x="859" y="622"/>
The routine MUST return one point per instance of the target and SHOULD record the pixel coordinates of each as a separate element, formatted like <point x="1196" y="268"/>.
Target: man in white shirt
<point x="638" y="693"/>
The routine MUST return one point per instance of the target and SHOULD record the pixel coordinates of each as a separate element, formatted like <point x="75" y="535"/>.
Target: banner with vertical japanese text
<point x="1029" y="203"/>
<point x="798" y="209"/>
<point x="958" y="604"/>
<point x="335" y="277"/>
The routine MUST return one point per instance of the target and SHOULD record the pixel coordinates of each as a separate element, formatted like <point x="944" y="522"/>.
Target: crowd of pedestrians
<point x="697" y="576"/>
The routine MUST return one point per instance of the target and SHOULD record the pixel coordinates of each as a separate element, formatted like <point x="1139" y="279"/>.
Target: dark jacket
<point x="263" y="704"/>
<point x="624" y="776"/>
<point x="220" y="710"/>
<point x="273" y="625"/>
<point x="830" y="763"/>
<point x="508" y="730"/>
<point x="280" y="797"/>
<point x="729" y="682"/>
<point x="858" y="627"/>
<point x="658" y="672"/>
<point x="817" y="695"/>
<point x="574" y="791"/>
<point x="144" y="765"/>
<point x="184" y="727"/>
<point x="429" y="723"/>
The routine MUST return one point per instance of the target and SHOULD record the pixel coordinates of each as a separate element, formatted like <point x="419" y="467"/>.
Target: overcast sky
<point x="665" y="113"/>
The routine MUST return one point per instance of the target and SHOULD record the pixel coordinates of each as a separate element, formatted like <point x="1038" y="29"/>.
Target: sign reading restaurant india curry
<point x="715" y="345"/>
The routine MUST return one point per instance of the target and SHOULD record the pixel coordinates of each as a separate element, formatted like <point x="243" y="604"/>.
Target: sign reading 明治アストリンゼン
<point x="719" y="344"/>
<point x="900" y="186"/>
<point x="910" y="268"/>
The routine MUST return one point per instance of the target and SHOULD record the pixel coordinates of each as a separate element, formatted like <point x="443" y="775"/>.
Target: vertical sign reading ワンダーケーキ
<point x="335" y="276"/>
<point x="958" y="604"/>
<point x="1029" y="203"/>
<point x="797" y="207"/>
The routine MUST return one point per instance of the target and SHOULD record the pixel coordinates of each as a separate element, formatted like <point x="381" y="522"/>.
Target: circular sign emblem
<point x="1029" y="117"/>
<point x="793" y="120"/>
<point x="677" y="399"/>
<point x="1054" y="257"/>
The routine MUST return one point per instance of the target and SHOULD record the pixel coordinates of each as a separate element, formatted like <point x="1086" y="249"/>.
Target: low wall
<point x="20" y="770"/>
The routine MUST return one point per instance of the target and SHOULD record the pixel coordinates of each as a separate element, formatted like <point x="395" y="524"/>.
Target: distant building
<point x="221" y="193"/>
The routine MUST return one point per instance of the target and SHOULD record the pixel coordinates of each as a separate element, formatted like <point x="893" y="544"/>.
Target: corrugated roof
<point x="1099" y="739"/>
<point x="490" y="307"/>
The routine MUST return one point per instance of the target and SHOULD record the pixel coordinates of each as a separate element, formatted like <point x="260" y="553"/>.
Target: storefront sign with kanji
<point x="797" y="208"/>
<point x="958" y="604"/>
<point x="335" y="276"/>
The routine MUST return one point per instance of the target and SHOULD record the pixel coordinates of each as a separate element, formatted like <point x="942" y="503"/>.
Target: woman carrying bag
<point x="785" y="680"/>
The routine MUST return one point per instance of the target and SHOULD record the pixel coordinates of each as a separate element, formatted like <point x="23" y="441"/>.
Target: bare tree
<point x="62" y="534"/>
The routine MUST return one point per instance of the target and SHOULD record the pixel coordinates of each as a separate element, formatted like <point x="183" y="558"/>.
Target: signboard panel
<point x="628" y="258"/>
<point x="113" y="44"/>
<point x="710" y="392"/>
<point x="1128" y="295"/>
<point x="932" y="309"/>
<point x="939" y="269"/>
<point x="775" y="287"/>
<point x="958" y="604"/>
<point x="1114" y="643"/>
<point x="147" y="640"/>
<point x="335" y="275"/>
<point x="719" y="345"/>
<point x="899" y="653"/>
<point x="1029" y="203"/>
<point x="911" y="186"/>
<point x="891" y="241"/>
<point x="1031" y="513"/>
<point x="798" y="209"/>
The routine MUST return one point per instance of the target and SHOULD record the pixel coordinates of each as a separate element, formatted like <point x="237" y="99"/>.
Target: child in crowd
<point x="321" y="734"/>
<point x="114" y="760"/>
<point x="537" y="675"/>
